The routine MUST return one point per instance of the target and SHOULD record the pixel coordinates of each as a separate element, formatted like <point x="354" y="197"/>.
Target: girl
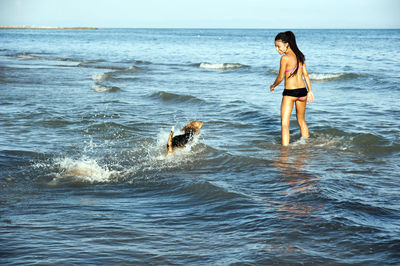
<point x="293" y="70"/>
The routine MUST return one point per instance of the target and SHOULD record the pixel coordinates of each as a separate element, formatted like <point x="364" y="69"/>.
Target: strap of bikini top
<point x="294" y="62"/>
<point x="291" y="58"/>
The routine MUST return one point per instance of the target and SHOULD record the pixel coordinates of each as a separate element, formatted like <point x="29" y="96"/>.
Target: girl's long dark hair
<point x="288" y="37"/>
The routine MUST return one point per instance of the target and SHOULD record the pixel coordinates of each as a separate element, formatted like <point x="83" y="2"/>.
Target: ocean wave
<point x="141" y="62"/>
<point x="324" y="76"/>
<point x="172" y="97"/>
<point x="332" y="76"/>
<point x="115" y="75"/>
<point x="373" y="144"/>
<point x="135" y="61"/>
<point x="104" y="88"/>
<point x="364" y="143"/>
<point x="111" y="66"/>
<point x="106" y="126"/>
<point x="100" y="77"/>
<point x="97" y="64"/>
<point x="211" y="191"/>
<point x="325" y="140"/>
<point x="101" y="66"/>
<point x="221" y="66"/>
<point x="28" y="56"/>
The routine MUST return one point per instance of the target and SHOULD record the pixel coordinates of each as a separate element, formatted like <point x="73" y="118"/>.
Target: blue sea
<point x="85" y="116"/>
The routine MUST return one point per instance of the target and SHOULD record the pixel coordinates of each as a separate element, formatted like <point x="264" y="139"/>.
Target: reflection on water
<point x="297" y="208"/>
<point x="292" y="164"/>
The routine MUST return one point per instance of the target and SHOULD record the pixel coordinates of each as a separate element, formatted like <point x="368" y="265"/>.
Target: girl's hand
<point x="310" y="97"/>
<point x="272" y="88"/>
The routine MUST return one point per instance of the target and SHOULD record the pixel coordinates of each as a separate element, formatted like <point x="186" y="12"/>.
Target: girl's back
<point x="296" y="81"/>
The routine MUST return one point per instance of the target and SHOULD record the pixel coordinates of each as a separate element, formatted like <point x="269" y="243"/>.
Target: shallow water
<point x="85" y="116"/>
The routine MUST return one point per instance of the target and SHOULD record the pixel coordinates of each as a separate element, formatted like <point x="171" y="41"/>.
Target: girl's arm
<point x="310" y="96"/>
<point x="281" y="74"/>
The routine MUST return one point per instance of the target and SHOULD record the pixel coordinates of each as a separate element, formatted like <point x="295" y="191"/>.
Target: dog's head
<point x="196" y="125"/>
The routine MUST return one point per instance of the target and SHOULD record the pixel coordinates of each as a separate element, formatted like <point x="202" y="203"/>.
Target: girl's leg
<point x="286" y="110"/>
<point x="300" y="113"/>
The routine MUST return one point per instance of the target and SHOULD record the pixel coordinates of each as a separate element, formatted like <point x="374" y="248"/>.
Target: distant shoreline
<point x="48" y="28"/>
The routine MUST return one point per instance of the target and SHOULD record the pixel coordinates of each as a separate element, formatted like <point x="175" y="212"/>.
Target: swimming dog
<point x="179" y="142"/>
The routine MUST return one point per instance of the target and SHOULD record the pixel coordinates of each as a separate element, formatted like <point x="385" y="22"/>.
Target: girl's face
<point x="281" y="47"/>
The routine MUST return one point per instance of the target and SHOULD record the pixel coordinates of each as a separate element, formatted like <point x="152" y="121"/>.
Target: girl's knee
<point x="301" y="121"/>
<point x="285" y="123"/>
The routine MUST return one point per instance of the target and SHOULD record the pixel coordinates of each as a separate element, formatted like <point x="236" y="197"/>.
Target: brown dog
<point x="179" y="142"/>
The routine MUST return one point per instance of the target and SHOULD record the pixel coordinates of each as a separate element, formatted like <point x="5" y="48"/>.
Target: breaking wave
<point x="96" y="64"/>
<point x="100" y="77"/>
<point x="325" y="76"/>
<point x="172" y="97"/>
<point x="332" y="76"/>
<point x="221" y="66"/>
<point x="104" y="88"/>
<point x="360" y="143"/>
<point x="28" y="56"/>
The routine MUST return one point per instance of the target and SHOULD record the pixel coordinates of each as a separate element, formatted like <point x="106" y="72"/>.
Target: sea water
<point x="85" y="116"/>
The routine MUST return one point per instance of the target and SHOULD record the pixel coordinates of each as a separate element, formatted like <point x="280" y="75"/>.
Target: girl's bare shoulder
<point x="284" y="58"/>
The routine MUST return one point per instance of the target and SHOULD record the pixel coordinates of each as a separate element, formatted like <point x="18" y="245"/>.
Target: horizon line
<point x="208" y="27"/>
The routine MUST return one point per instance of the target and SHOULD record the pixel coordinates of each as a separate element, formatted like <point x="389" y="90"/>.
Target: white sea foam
<point x="327" y="76"/>
<point x="101" y="76"/>
<point x="325" y="141"/>
<point x="331" y="76"/>
<point x="221" y="66"/>
<point x="104" y="88"/>
<point x="134" y="68"/>
<point x="27" y="57"/>
<point x="81" y="170"/>
<point x="321" y="77"/>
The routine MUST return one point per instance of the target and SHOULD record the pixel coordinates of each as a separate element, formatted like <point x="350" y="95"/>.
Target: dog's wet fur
<point x="180" y="141"/>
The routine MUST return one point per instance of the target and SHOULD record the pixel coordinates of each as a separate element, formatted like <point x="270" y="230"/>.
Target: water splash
<point x="83" y="170"/>
<point x="98" y="163"/>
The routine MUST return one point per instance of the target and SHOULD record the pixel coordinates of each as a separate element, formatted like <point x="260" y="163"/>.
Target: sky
<point x="290" y="14"/>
